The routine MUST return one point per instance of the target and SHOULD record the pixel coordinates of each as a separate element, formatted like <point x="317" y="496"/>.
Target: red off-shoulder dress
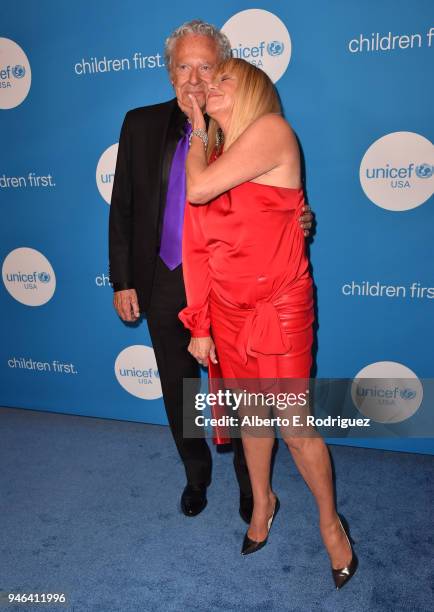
<point x="248" y="283"/>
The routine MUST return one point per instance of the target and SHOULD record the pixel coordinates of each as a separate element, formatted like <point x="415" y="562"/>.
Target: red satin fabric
<point x="247" y="280"/>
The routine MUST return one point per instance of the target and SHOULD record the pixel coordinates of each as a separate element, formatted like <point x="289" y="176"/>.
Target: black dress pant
<point x="170" y="341"/>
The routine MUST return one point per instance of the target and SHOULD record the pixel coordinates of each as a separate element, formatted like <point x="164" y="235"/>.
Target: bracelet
<point x="200" y="133"/>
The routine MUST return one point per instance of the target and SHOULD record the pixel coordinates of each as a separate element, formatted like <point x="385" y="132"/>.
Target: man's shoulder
<point x="153" y="111"/>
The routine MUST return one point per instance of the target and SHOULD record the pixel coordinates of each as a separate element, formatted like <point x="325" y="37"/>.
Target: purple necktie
<point x="171" y="236"/>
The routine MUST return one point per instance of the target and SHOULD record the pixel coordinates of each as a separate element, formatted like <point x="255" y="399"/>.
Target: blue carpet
<point x="89" y="508"/>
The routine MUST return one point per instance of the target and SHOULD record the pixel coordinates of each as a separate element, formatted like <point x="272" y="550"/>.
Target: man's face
<point x="194" y="61"/>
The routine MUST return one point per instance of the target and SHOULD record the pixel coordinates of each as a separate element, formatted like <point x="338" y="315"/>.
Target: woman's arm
<point x="197" y="280"/>
<point x="265" y="145"/>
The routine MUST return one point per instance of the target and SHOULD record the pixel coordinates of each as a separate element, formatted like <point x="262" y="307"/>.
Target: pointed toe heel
<point x="251" y="546"/>
<point x="343" y="575"/>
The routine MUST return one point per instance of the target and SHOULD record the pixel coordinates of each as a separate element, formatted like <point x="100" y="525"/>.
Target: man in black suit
<point x="142" y="281"/>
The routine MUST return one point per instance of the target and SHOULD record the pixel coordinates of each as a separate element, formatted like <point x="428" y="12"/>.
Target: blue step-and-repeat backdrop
<point x="355" y="79"/>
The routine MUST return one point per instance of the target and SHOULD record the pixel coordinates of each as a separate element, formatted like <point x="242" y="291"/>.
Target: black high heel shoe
<point x="343" y="575"/>
<point x="251" y="546"/>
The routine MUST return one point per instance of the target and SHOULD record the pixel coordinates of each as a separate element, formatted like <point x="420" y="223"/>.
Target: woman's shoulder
<point x="271" y="121"/>
<point x="272" y="126"/>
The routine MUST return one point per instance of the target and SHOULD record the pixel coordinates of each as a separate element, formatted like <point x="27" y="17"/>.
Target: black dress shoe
<point x="343" y="575"/>
<point x="193" y="500"/>
<point x="246" y="507"/>
<point x="251" y="546"/>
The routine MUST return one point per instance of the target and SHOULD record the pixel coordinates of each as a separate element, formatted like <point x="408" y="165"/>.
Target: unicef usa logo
<point x="396" y="172"/>
<point x="28" y="276"/>
<point x="424" y="171"/>
<point x="262" y="39"/>
<point x="18" y="71"/>
<point x="105" y="172"/>
<point x="387" y="392"/>
<point x="15" y="74"/>
<point x="44" y="277"/>
<point x="136" y="371"/>
<point x="275" y="48"/>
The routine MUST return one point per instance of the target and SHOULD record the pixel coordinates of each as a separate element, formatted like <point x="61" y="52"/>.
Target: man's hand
<point x="203" y="349"/>
<point x="306" y="220"/>
<point x="126" y="304"/>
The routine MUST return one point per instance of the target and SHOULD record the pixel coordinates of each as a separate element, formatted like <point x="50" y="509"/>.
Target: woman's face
<point x="221" y="94"/>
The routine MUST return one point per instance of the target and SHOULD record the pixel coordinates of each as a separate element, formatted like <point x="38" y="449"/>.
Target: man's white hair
<point x="201" y="28"/>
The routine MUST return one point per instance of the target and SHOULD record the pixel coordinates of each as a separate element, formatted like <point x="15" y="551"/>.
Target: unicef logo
<point x="407" y="394"/>
<point x="262" y="39"/>
<point x="44" y="277"/>
<point x="387" y="392"/>
<point x="105" y="172"/>
<point x="275" y="48"/>
<point x="136" y="371"/>
<point x="15" y="74"/>
<point x="424" y="171"/>
<point x="18" y="71"/>
<point x="23" y="282"/>
<point x="396" y="173"/>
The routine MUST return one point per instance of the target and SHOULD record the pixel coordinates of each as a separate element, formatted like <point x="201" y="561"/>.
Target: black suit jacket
<point x="148" y="139"/>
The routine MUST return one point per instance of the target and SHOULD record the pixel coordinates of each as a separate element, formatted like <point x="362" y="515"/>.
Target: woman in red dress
<point x="249" y="290"/>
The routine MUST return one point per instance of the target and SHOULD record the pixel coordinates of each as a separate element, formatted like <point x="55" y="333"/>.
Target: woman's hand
<point x="306" y="220"/>
<point x="197" y="120"/>
<point x="203" y="349"/>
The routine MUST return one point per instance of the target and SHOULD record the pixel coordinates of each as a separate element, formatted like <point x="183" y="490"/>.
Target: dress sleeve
<point x="195" y="256"/>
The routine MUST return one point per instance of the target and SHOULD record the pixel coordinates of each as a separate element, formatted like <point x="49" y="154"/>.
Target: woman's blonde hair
<point x="255" y="96"/>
